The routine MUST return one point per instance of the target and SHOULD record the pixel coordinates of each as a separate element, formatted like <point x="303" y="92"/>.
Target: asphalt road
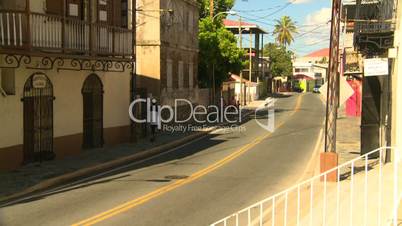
<point x="196" y="184"/>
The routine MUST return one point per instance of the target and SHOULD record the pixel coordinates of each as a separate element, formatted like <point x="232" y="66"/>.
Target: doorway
<point x="92" y="93"/>
<point x="38" y="119"/>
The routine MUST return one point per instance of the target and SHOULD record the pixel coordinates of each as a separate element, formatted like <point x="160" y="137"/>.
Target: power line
<point x="300" y="34"/>
<point x="279" y="10"/>
<point x="257" y="10"/>
<point x="312" y="30"/>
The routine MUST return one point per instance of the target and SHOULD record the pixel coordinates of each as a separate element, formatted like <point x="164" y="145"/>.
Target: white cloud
<point x="299" y="1"/>
<point x="316" y="28"/>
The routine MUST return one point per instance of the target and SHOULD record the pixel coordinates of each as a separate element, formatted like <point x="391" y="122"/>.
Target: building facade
<point x="396" y="125"/>
<point x="370" y="25"/>
<point x="167" y="50"/>
<point x="311" y="70"/>
<point x="65" y="69"/>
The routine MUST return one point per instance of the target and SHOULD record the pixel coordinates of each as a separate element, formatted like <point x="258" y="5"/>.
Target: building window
<point x="169" y="72"/>
<point x="7" y="81"/>
<point x="298" y="70"/>
<point x="191" y="76"/>
<point x="190" y="22"/>
<point x="181" y="68"/>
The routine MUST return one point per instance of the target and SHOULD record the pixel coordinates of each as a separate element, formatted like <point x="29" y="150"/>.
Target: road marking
<point x="96" y="176"/>
<point x="138" y="201"/>
<point x="317" y="150"/>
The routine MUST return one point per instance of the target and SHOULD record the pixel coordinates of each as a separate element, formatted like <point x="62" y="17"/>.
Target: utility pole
<point x="211" y="15"/>
<point x="263" y="63"/>
<point x="211" y="8"/>
<point x="329" y="159"/>
<point x="133" y="63"/>
<point x="250" y="67"/>
<point x="241" y="71"/>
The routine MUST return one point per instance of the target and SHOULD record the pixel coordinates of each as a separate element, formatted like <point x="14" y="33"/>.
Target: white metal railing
<point x="22" y="30"/>
<point x="11" y="29"/>
<point x="365" y="191"/>
<point x="46" y="31"/>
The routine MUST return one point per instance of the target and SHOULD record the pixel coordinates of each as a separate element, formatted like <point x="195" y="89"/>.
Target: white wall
<point x="397" y="85"/>
<point x="68" y="105"/>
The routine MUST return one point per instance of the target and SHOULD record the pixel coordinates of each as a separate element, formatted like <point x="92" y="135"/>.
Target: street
<point x="195" y="184"/>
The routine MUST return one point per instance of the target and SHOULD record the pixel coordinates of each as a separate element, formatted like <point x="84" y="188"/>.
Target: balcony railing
<point x="374" y="27"/>
<point x="20" y="30"/>
<point x="379" y="19"/>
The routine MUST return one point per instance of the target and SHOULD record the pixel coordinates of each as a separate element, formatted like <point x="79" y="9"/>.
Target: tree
<point x="280" y="60"/>
<point x="323" y="60"/>
<point x="284" y="30"/>
<point x="219" y="5"/>
<point x="218" y="47"/>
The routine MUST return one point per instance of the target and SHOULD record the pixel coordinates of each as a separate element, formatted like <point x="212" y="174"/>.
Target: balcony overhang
<point x="29" y="34"/>
<point x="17" y="60"/>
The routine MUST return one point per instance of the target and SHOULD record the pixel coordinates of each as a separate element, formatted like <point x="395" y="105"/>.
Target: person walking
<point x="154" y="120"/>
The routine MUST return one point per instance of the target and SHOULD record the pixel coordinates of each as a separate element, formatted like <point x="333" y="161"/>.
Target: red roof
<point x="301" y="76"/>
<point x="234" y="23"/>
<point x="319" y="53"/>
<point x="236" y="78"/>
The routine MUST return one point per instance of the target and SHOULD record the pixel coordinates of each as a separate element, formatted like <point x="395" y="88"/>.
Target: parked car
<point x="297" y="89"/>
<point x="316" y="89"/>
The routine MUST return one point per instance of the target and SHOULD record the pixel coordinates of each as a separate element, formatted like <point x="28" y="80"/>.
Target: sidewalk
<point x="30" y="175"/>
<point x="36" y="177"/>
<point x="352" y="204"/>
<point x="348" y="136"/>
<point x="352" y="200"/>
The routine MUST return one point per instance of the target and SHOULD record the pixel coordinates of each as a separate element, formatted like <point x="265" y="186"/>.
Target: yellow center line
<point x="138" y="201"/>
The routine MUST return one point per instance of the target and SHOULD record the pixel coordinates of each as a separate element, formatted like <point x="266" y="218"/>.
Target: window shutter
<point x="117" y="13"/>
<point x="54" y="7"/>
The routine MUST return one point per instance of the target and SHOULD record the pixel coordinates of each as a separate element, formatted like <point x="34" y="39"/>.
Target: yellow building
<point x="65" y="69"/>
<point x="167" y="49"/>
<point x="396" y="54"/>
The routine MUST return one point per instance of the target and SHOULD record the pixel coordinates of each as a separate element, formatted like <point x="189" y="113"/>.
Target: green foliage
<point x="281" y="60"/>
<point x="284" y="30"/>
<point x="218" y="47"/>
<point x="323" y="60"/>
<point x="219" y="5"/>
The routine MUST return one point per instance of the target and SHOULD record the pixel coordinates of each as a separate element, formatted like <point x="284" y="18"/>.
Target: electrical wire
<point x="257" y="10"/>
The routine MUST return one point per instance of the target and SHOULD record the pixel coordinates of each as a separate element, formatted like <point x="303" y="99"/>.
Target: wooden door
<point x="92" y="93"/>
<point x="54" y="7"/>
<point x="370" y="122"/>
<point x="38" y="119"/>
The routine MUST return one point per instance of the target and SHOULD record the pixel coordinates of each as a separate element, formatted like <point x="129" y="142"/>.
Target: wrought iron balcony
<point x="44" y="33"/>
<point x="375" y="26"/>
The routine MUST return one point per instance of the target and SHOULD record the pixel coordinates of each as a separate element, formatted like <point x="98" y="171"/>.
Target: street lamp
<point x="241" y="99"/>
<point x="233" y="13"/>
<point x="250" y="66"/>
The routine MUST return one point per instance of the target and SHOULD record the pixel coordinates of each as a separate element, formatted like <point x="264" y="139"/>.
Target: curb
<point x="104" y="166"/>
<point x="59" y="180"/>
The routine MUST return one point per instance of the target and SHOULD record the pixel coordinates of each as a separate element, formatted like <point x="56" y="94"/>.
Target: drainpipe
<point x="133" y="63"/>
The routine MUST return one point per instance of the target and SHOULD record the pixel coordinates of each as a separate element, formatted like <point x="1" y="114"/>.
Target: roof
<point x="234" y="25"/>
<point x="319" y="53"/>
<point x="236" y="78"/>
<point x="302" y="76"/>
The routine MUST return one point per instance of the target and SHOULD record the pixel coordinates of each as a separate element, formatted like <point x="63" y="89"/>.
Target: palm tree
<point x="284" y="30"/>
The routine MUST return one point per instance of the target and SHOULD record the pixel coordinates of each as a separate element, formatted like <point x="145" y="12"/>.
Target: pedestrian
<point x="154" y="120"/>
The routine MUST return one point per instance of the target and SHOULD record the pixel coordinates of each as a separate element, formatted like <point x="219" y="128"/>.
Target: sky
<point x="311" y="17"/>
